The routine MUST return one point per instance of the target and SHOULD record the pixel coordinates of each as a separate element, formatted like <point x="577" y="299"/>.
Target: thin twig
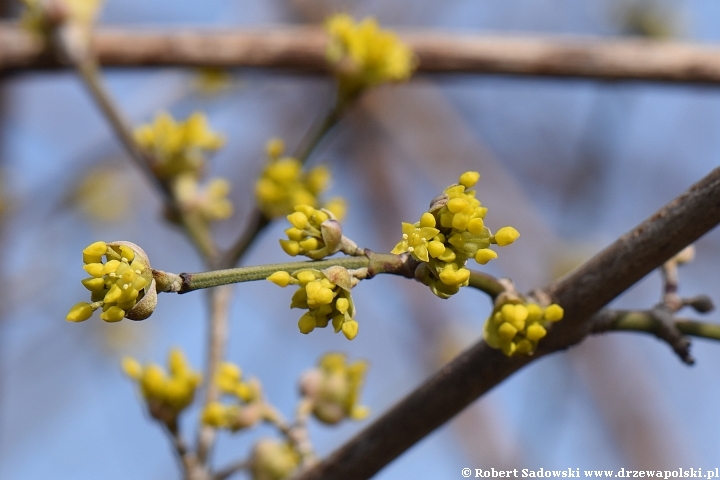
<point x="192" y="470"/>
<point x="295" y="433"/>
<point x="232" y="469"/>
<point x="474" y="372"/>
<point x="219" y="301"/>
<point x="658" y="321"/>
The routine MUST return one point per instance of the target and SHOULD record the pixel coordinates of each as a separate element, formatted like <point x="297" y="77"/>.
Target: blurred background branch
<point x="303" y="49"/>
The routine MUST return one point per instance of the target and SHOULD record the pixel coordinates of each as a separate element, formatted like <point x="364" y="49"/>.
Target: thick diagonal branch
<point x="581" y="293"/>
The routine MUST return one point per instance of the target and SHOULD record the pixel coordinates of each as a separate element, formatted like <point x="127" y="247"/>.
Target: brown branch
<point x="474" y="372"/>
<point x="303" y="49"/>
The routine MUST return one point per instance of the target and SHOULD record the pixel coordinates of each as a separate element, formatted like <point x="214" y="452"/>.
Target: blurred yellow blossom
<point x="283" y="184"/>
<point x="363" y="55"/>
<point x="334" y="388"/>
<point x="210" y="201"/>
<point x="104" y="193"/>
<point x="248" y="407"/>
<point x="39" y="15"/>
<point x="166" y="393"/>
<point x="273" y="460"/>
<point x="178" y="147"/>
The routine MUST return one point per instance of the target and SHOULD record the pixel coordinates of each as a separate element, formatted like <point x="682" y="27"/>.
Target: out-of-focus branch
<point x="581" y="293"/>
<point x="303" y="49"/>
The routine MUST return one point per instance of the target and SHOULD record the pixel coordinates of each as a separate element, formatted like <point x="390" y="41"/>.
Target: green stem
<point x="645" y="322"/>
<point x="486" y="283"/>
<point x="315" y="136"/>
<point x="197" y="281"/>
<point x="699" y="329"/>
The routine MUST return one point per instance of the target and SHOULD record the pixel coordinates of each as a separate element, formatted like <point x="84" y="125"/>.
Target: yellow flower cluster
<point x="210" y="202"/>
<point x="314" y="233"/>
<point x="326" y="295"/>
<point x="166" y="394"/>
<point x="36" y="19"/>
<point x="250" y="407"/>
<point x="273" y="460"/>
<point x="283" y="184"/>
<point x="516" y="329"/>
<point x="334" y="388"/>
<point x="117" y="285"/>
<point x="449" y="234"/>
<point x="178" y="147"/>
<point x="363" y="55"/>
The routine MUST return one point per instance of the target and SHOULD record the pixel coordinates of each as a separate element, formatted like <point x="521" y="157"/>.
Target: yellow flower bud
<point x="306" y="276"/>
<point x="554" y="313"/>
<point x="457" y="205"/>
<point x="80" y="312"/>
<point x="469" y="179"/>
<point x="290" y="247"/>
<point x="342" y="305"/>
<point x="427" y="220"/>
<point x="281" y="279"/>
<point x="507" y="331"/>
<point x="535" y="332"/>
<point x="435" y="248"/>
<point x="298" y="220"/>
<point x="505" y="236"/>
<point x="476" y="226"/>
<point x="535" y="313"/>
<point x="484" y="255"/>
<point x="307" y="323"/>
<point x="350" y="329"/>
<point x="113" y="314"/>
